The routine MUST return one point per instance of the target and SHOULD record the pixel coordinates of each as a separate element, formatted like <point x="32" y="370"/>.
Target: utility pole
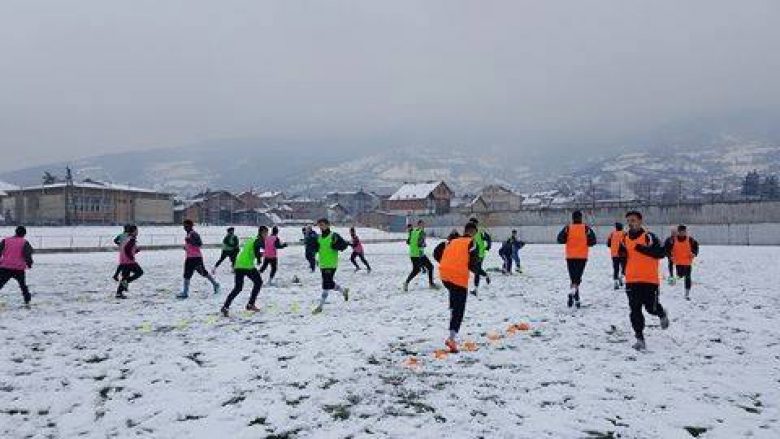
<point x="679" y="191"/>
<point x="68" y="195"/>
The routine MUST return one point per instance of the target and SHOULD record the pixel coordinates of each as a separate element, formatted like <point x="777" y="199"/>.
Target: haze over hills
<point x="236" y="165"/>
<point x="704" y="152"/>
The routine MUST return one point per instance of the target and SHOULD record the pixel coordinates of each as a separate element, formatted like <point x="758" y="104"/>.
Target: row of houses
<point x="94" y="202"/>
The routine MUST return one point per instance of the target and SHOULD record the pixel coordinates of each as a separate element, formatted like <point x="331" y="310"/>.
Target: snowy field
<point x="103" y="236"/>
<point x="82" y="364"/>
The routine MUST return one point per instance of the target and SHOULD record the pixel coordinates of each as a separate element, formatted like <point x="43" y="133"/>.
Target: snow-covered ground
<point x="80" y="363"/>
<point x="102" y="236"/>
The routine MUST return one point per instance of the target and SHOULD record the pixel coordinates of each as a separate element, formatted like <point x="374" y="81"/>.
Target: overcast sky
<point x="86" y="77"/>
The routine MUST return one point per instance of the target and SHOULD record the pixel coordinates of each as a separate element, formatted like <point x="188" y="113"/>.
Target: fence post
<point x="100" y="242"/>
<point x="71" y="241"/>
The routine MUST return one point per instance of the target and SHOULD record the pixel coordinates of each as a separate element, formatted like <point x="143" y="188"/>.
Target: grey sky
<point x="93" y="76"/>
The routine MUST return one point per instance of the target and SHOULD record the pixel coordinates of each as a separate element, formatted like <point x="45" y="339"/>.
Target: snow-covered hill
<point x="305" y="168"/>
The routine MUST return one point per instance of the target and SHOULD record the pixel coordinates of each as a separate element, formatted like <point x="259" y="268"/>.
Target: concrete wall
<point x="722" y="223"/>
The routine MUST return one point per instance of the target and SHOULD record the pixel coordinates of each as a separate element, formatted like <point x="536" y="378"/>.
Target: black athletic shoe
<point x="225" y="312"/>
<point x="570" y="302"/>
<point x="577" y="299"/>
<point x="665" y="321"/>
<point x="120" y="296"/>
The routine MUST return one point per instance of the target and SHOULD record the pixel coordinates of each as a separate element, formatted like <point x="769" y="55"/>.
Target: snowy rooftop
<point x="545" y="194"/>
<point x="92" y="185"/>
<point x="5" y="187"/>
<point x="562" y="200"/>
<point x="269" y="194"/>
<point x="415" y="191"/>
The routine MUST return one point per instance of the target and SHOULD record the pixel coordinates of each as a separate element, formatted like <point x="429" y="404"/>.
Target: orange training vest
<point x="640" y="268"/>
<point x="682" y="254"/>
<point x="577" y="242"/>
<point x="614" y="242"/>
<point x="454" y="265"/>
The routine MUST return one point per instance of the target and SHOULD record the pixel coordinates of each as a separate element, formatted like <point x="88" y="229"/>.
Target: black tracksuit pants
<point x="479" y="272"/>
<point x="232" y="254"/>
<point x="355" y="256"/>
<point x="240" y="274"/>
<point x="417" y="265"/>
<point x="311" y="257"/>
<point x="618" y="267"/>
<point x="458" y="296"/>
<point x="576" y="268"/>
<point x="19" y="276"/>
<point x="685" y="271"/>
<point x="273" y="263"/>
<point x="129" y="273"/>
<point x="643" y="295"/>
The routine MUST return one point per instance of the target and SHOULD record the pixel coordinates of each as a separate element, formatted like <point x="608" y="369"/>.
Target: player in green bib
<point x="329" y="244"/>
<point x="420" y="262"/>
<point x="483" y="242"/>
<point x="249" y="256"/>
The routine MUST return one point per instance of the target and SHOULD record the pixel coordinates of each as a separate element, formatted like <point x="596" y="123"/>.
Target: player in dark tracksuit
<point x="510" y="252"/>
<point x="669" y="257"/>
<point x="230" y="249"/>
<point x="310" y="245"/>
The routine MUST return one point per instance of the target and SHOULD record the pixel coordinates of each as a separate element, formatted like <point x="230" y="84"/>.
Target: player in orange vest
<point x="643" y="254"/>
<point x="618" y="259"/>
<point x="578" y="238"/>
<point x="457" y="258"/>
<point x="683" y="250"/>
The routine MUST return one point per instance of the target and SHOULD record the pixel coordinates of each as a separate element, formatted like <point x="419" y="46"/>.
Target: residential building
<point x="432" y="198"/>
<point x="90" y="202"/>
